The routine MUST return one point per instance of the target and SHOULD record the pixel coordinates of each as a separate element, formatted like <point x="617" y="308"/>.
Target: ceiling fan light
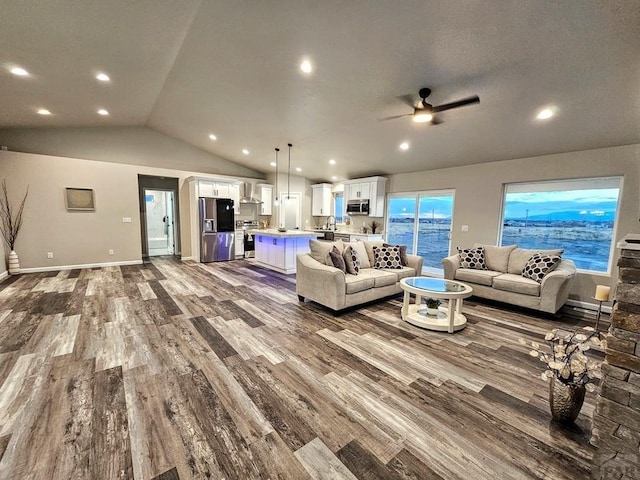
<point x="422" y="116"/>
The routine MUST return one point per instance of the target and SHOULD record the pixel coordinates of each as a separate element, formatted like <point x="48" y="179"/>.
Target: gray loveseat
<point x="503" y="280"/>
<point x="329" y="286"/>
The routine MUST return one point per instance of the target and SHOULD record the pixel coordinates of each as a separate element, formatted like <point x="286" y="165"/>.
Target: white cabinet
<point x="358" y="191"/>
<point x="265" y="193"/>
<point x="207" y="188"/>
<point x="239" y="243"/>
<point x="372" y="189"/>
<point x="279" y="252"/>
<point x="213" y="189"/>
<point x="321" y="201"/>
<point x="234" y="194"/>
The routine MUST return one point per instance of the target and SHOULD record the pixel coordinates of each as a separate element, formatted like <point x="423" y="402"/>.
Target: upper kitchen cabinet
<point x="357" y="191"/>
<point x="321" y="201"/>
<point x="219" y="189"/>
<point x="265" y="193"/>
<point x="370" y="188"/>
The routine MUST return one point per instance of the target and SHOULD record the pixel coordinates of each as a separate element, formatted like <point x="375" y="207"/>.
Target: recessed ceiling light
<point x="20" y="72"/>
<point x="334" y="177"/>
<point x="273" y="164"/>
<point x="306" y="66"/>
<point x="103" y="112"/>
<point x="545" y="113"/>
<point x="404" y="146"/>
<point x="43" y="111"/>
<point x="298" y="169"/>
<point x="212" y="136"/>
<point x="332" y="162"/>
<point x="245" y="151"/>
<point x="103" y="77"/>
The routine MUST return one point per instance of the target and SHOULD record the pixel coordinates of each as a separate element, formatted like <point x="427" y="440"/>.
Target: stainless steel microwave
<point x="358" y="207"/>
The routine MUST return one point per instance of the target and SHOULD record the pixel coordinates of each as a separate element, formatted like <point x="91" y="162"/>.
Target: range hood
<point x="246" y="189"/>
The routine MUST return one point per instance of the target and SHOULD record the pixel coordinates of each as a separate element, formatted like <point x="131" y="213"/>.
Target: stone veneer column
<point x="616" y="421"/>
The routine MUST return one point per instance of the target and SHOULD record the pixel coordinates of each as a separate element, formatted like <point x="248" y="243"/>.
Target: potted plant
<point x="10" y="225"/>
<point x="569" y="371"/>
<point x="432" y="306"/>
<point x="374" y="226"/>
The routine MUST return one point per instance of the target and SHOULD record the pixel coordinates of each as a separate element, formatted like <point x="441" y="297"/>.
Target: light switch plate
<point x="126" y="219"/>
<point x="465" y="228"/>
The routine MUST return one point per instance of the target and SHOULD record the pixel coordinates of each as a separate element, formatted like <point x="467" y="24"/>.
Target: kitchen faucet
<point x="331" y="223"/>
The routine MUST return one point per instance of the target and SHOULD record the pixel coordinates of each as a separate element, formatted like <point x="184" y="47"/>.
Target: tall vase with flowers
<point x="569" y="371"/>
<point x="10" y="224"/>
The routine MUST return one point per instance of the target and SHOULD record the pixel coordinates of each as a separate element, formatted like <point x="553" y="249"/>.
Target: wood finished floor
<point x="174" y="370"/>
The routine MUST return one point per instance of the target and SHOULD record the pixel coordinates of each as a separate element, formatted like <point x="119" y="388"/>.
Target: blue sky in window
<point x="589" y="205"/>
<point x="436" y="207"/>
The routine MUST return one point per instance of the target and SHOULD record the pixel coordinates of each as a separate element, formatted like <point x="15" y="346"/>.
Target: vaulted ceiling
<point x="192" y="68"/>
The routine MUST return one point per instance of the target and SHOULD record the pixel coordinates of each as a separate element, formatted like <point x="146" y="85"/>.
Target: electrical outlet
<point x="110" y="252"/>
<point x="49" y="254"/>
<point x="465" y="228"/>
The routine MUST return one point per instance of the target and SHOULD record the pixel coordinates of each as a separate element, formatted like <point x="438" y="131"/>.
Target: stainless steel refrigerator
<point x="217" y="225"/>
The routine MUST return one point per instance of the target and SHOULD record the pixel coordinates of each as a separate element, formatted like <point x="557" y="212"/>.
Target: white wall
<point x="298" y="184"/>
<point x="79" y="238"/>
<point x="479" y="193"/>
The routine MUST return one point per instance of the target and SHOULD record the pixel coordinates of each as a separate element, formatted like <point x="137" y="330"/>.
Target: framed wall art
<point x="80" y="199"/>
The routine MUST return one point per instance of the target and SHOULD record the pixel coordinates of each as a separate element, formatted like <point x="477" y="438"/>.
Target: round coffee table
<point x="448" y="319"/>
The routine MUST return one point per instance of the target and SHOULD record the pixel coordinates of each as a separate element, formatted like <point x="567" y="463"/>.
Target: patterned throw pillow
<point x="403" y="252"/>
<point x="387" y="257"/>
<point x="337" y="260"/>
<point x="351" y="260"/>
<point x="539" y="265"/>
<point x="472" y="258"/>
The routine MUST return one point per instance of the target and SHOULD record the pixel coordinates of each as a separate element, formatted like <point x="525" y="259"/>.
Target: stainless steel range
<point x="248" y="242"/>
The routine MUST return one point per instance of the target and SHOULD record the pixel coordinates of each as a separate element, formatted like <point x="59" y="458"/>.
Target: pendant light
<point x="289" y="173"/>
<point x="276" y="202"/>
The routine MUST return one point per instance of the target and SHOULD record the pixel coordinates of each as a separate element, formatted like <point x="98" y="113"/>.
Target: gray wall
<point x="479" y="193"/>
<point x="85" y="238"/>
<point x="128" y="145"/>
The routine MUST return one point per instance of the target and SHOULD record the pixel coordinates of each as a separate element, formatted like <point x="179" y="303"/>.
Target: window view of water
<point x="578" y="220"/>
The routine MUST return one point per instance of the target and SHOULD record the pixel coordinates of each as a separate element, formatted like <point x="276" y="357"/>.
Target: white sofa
<point x="337" y="290"/>
<point x="503" y="280"/>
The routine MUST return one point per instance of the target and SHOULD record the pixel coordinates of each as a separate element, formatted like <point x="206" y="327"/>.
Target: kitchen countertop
<point x="342" y="232"/>
<point x="273" y="232"/>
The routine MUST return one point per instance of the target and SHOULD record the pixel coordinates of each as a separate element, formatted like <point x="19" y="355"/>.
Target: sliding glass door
<point x="422" y="222"/>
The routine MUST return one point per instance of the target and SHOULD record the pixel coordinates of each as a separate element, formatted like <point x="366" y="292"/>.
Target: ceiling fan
<point x="425" y="112"/>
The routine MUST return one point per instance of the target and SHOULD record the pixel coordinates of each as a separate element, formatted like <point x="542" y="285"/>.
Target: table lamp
<point x="602" y="295"/>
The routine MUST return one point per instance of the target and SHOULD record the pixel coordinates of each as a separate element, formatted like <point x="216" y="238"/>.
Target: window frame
<point x="440" y="192"/>
<point x="614" y="178"/>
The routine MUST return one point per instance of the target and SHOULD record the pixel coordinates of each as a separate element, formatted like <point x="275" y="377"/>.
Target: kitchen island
<point x="277" y="250"/>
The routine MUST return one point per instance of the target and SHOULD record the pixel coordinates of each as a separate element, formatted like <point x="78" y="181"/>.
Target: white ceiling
<point x="189" y="68"/>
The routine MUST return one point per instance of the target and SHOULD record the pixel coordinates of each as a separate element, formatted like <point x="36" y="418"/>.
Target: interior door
<point x="291" y="210"/>
<point x="160" y="215"/>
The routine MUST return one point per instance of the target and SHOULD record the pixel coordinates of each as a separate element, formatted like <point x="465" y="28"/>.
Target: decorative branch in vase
<point x="10" y="225"/>
<point x="374" y="226"/>
<point x="569" y="372"/>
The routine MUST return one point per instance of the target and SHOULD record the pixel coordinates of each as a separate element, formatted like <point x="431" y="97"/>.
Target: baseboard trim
<point x="184" y="259"/>
<point x="588" y="306"/>
<point x="84" y="265"/>
<point x="3" y="275"/>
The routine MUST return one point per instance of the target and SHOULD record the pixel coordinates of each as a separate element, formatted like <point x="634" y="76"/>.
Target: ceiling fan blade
<point x="408" y="100"/>
<point x="459" y="103"/>
<point x="394" y="117"/>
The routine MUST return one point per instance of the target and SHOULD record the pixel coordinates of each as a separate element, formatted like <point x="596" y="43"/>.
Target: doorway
<point x="160" y="218"/>
<point x="159" y="215"/>
<point x="290" y="210"/>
